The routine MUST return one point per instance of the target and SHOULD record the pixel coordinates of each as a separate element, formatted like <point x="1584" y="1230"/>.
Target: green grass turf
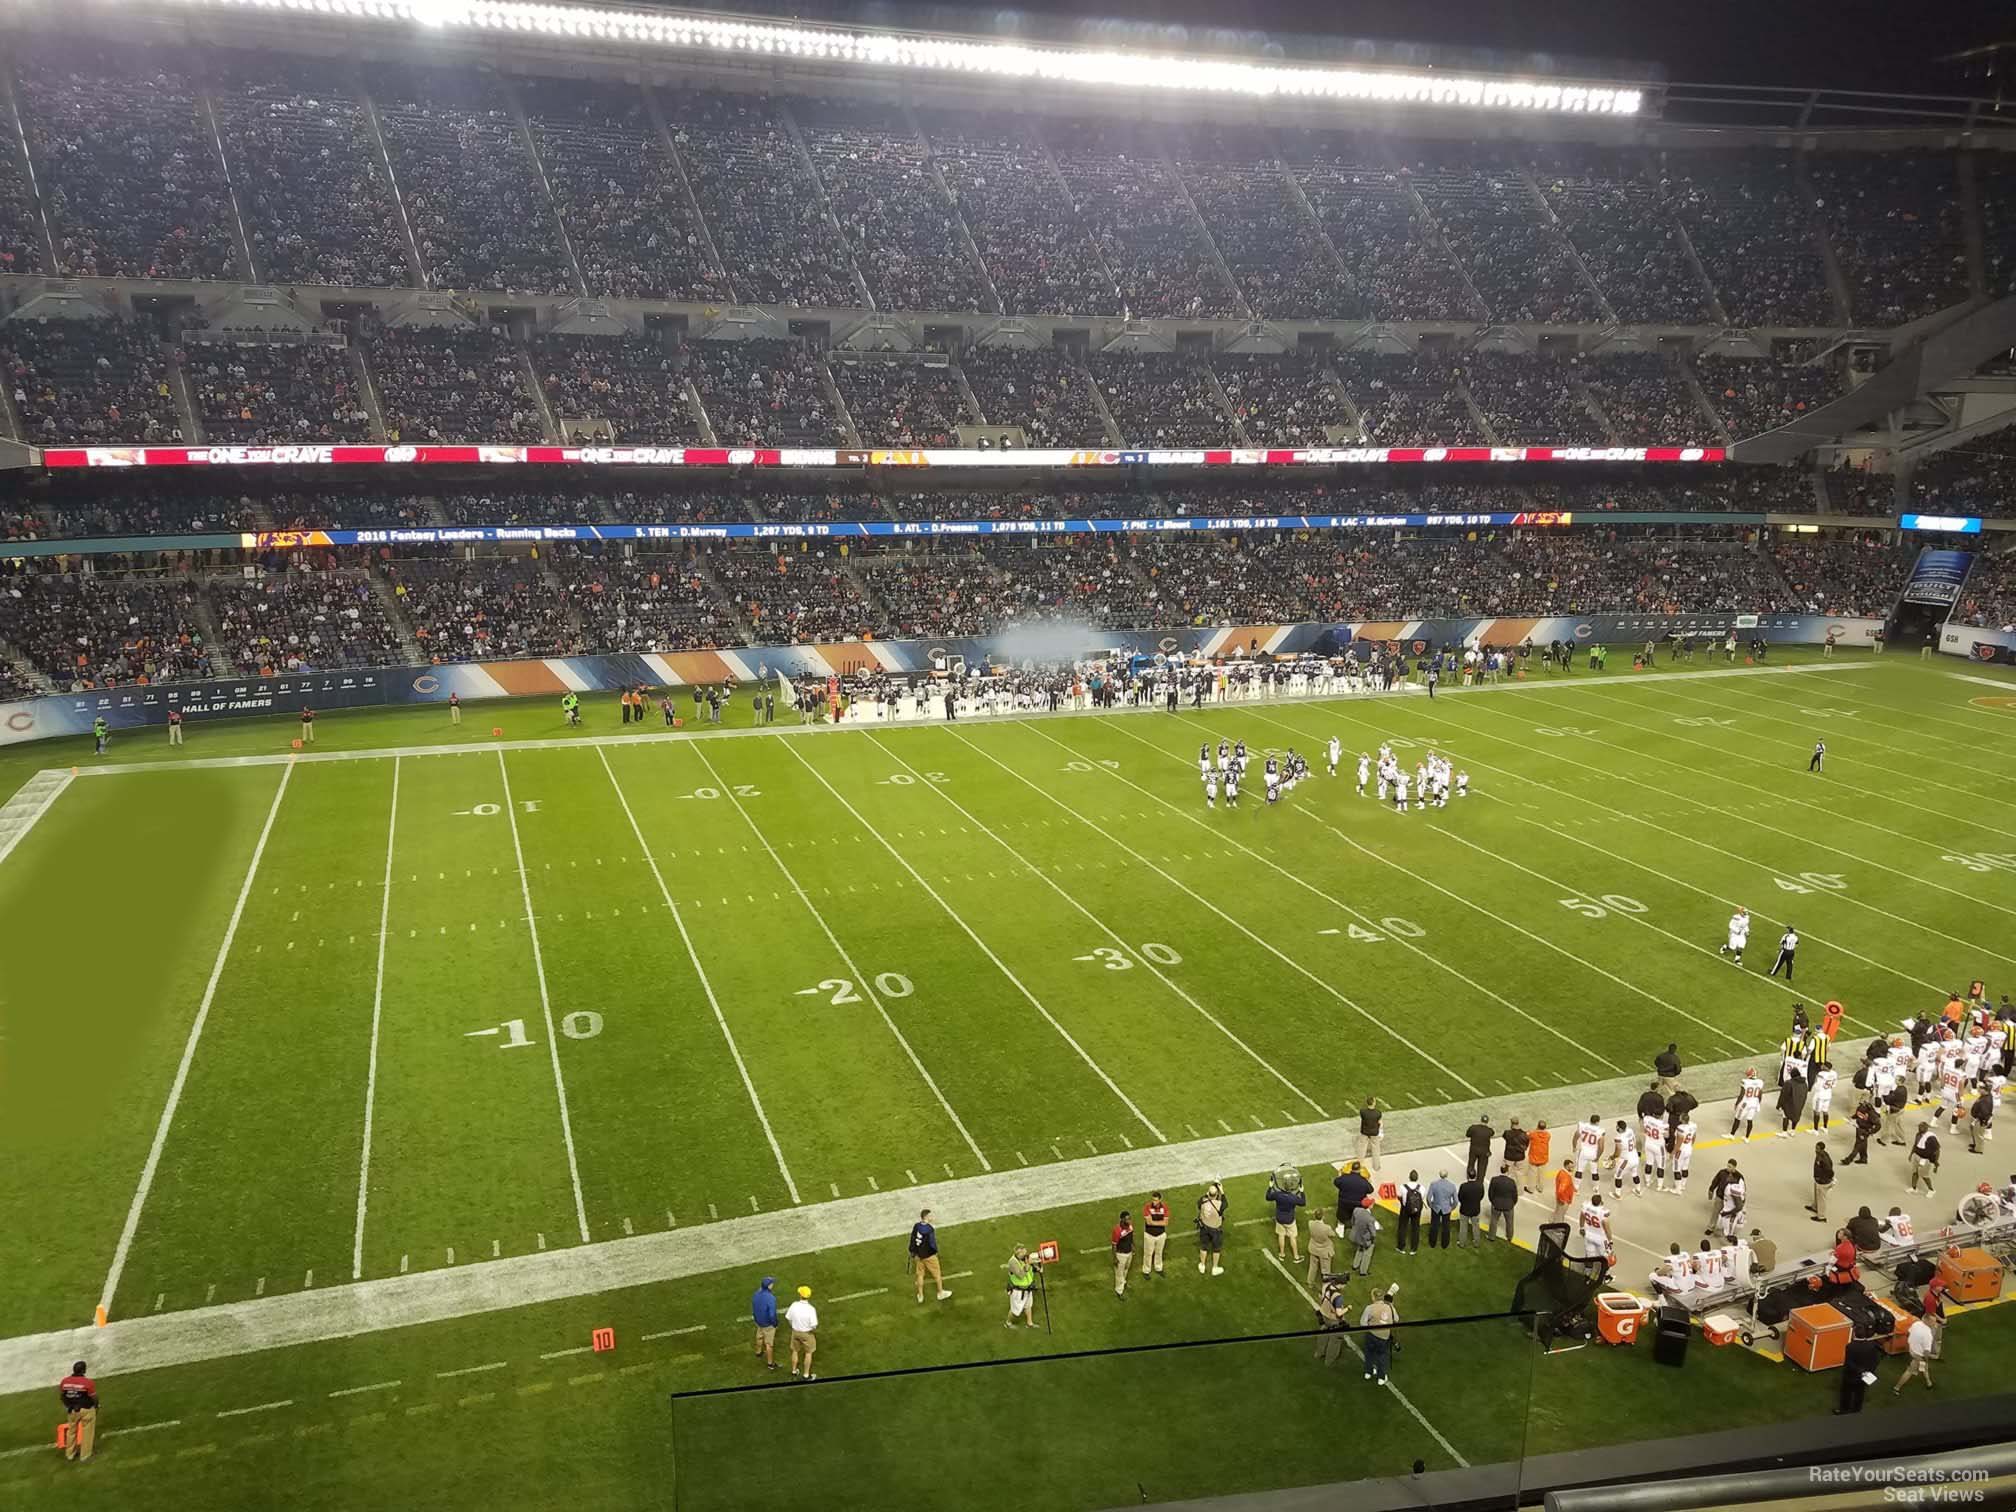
<point x="601" y="1431"/>
<point x="1264" y="965"/>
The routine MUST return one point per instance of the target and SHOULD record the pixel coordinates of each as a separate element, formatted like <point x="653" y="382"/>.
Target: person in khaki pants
<point x="79" y="1395"/>
<point x="1322" y="1247"/>
<point x="1539" y="1146"/>
<point x="1123" y="1251"/>
<point x="1154" y="1234"/>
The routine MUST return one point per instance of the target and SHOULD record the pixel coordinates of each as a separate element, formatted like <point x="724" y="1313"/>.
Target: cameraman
<point x="1331" y="1319"/>
<point x="1211" y="1230"/>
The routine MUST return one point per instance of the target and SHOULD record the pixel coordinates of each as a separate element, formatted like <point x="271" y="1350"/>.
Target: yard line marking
<point x="125" y="1244"/>
<point x="1840" y="732"/>
<point x="261" y="1407"/>
<point x="1854" y="732"/>
<point x="985" y="949"/>
<point x="862" y="981"/>
<point x="360" y="1390"/>
<point x="1225" y="1126"/>
<point x="141" y="1427"/>
<point x="1394" y="1391"/>
<point x="161" y="1297"/>
<point x="1409" y="945"/>
<point x="1778" y="799"/>
<point x="442" y="1375"/>
<point x="209" y="1292"/>
<point x="691" y="1328"/>
<point x="1265" y="944"/>
<point x="833" y="1187"/>
<point x="36" y="797"/>
<point x="958" y="1275"/>
<point x="912" y="1175"/>
<point x="706" y="982"/>
<point x="1107" y="929"/>
<point x="561" y="1354"/>
<point x="1021" y="1159"/>
<point x="377" y="1011"/>
<point x="1694" y="840"/>
<point x="545" y="1003"/>
<point x="404" y="1261"/>
<point x="856" y="1296"/>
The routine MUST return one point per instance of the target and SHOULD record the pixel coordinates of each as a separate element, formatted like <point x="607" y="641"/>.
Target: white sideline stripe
<point x="545" y="1001"/>
<point x="867" y="986"/>
<point x="1352" y="1340"/>
<point x="1107" y="929"/>
<point x="442" y="1375"/>
<point x="792" y="732"/>
<point x="857" y="1296"/>
<point x="1368" y="921"/>
<point x="706" y="983"/>
<point x="952" y="914"/>
<point x="2004" y="685"/>
<point x="360" y="1390"/>
<point x="377" y="1009"/>
<point x="673" y="1333"/>
<point x="189" y="1053"/>
<point x="561" y="1354"/>
<point x="260" y="1407"/>
<point x="1267" y="945"/>
<point x="1742" y="818"/>
<point x="142" y="1427"/>
<point x="42" y="802"/>
<point x="35" y="1362"/>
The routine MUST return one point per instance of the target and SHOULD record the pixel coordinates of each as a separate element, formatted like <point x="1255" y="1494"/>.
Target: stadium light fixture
<point x="1094" y="68"/>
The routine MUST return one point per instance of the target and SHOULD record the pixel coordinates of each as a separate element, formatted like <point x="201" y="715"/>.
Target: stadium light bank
<point x="1163" y="72"/>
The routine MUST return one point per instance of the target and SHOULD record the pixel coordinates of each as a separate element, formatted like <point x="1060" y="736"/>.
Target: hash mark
<point x="259" y="1289"/>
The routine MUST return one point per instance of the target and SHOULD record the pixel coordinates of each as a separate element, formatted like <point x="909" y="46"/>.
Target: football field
<point x="432" y="1005"/>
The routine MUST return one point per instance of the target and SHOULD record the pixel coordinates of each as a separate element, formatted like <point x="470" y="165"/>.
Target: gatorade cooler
<point x="1720" y="1329"/>
<point x="1972" y="1275"/>
<point x="1816" y="1337"/>
<point x="1618" y="1315"/>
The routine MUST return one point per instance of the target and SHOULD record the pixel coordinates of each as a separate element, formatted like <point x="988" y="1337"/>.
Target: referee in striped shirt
<point x="1788" y="946"/>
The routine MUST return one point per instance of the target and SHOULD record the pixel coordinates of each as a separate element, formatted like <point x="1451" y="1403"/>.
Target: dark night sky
<point x="1849" y="44"/>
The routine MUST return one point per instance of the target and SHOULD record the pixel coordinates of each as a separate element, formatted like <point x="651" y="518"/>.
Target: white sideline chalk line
<point x="132" y="1224"/>
<point x="53" y="788"/>
<point x="377" y="1010"/>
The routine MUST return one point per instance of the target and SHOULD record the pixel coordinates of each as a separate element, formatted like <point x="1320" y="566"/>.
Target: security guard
<point x="79" y="1394"/>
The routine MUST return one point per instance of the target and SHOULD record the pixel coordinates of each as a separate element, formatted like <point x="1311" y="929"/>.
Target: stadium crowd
<point x="89" y="381"/>
<point x="460" y="383"/>
<point x="763" y="392"/>
<point x="269" y="391"/>
<point x="631" y="385"/>
<point x="307" y="616"/>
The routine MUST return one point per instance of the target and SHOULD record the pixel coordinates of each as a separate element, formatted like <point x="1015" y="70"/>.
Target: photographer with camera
<point x="1331" y="1318"/>
<point x="1211" y="1230"/>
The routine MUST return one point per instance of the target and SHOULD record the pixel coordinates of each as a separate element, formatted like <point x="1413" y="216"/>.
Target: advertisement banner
<point x="535" y="678"/>
<point x="343" y="455"/>
<point x="1937" y="575"/>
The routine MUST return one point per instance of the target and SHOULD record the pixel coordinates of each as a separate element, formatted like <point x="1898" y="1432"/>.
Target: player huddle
<point x="1429" y="782"/>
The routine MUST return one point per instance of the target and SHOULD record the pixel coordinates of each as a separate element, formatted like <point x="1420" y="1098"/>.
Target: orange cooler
<point x="1618" y="1317"/>
<point x="1972" y="1275"/>
<point x="1817" y="1337"/>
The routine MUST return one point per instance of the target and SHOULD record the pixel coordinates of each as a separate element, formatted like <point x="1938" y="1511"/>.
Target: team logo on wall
<point x="1985" y="651"/>
<point x="1420" y="646"/>
<point x="21" y="721"/>
<point x="1167" y="645"/>
<point x="1583" y="631"/>
<point x="426" y="682"/>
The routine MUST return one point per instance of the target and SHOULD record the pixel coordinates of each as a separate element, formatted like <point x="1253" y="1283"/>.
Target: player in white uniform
<point x="1821" y="1099"/>
<point x="1739" y="935"/>
<point x="1335" y="751"/>
<point x="1364" y="772"/>
<point x="1624" y="1159"/>
<point x="1748" y="1100"/>
<point x="1400" y="792"/>
<point x="1211" y="790"/>
<point x="1596" y="1228"/>
<point x="1683" y="1152"/>
<point x="1653" y="1128"/>
<point x="1462" y="784"/>
<point x="1952" y="1079"/>
<point x="1204" y="761"/>
<point x="1224" y="757"/>
<point x="1385" y="777"/>
<point x="1588" y="1145"/>
<point x="1420" y="784"/>
<point x="1271" y="774"/>
<point x="1928" y="1066"/>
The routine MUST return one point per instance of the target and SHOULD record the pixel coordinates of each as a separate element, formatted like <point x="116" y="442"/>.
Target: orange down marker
<point x="603" y="1339"/>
